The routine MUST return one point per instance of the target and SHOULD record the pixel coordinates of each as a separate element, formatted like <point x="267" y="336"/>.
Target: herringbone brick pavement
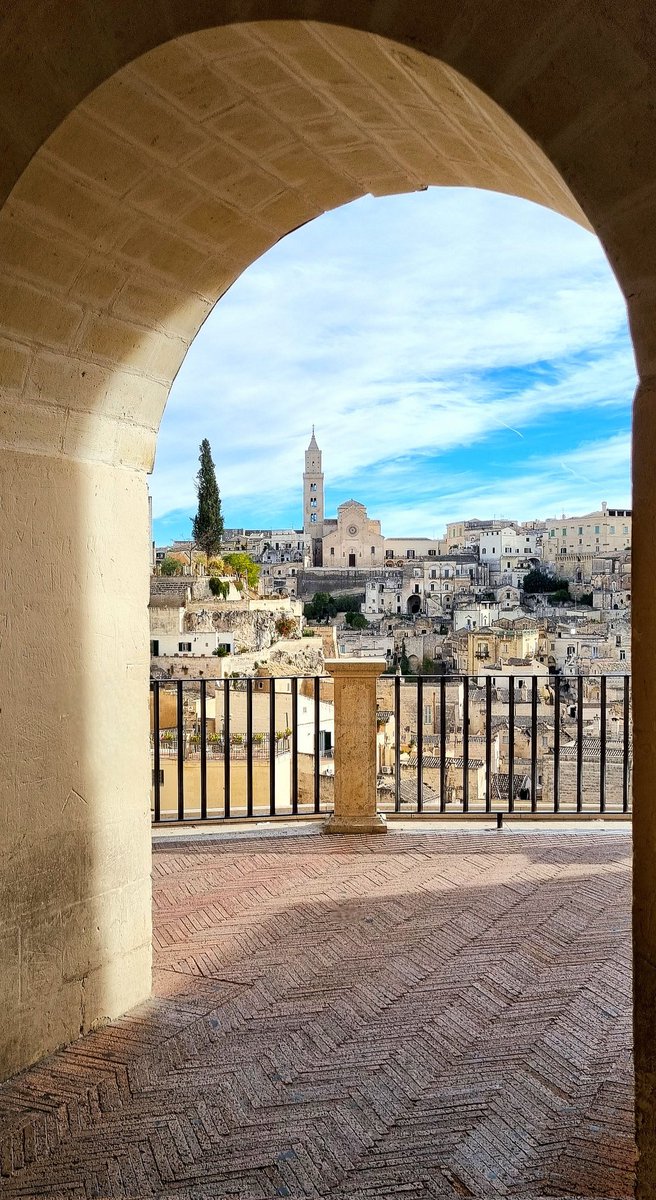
<point x="422" y="1015"/>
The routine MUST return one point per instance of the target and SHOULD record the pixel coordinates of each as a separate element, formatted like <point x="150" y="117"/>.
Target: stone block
<point x="14" y="360"/>
<point x="102" y="156"/>
<point x="37" y="315"/>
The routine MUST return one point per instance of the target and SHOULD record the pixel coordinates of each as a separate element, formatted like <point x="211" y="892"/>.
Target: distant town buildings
<point x="457" y="600"/>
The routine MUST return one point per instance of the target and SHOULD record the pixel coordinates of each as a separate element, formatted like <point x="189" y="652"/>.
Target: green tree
<point x="562" y="596"/>
<point x="244" y="567"/>
<point x="404" y="661"/>
<point x="208" y="522"/>
<point x="357" y="620"/>
<point x="323" y="606"/>
<point x="539" y="580"/>
<point x="170" y="566"/>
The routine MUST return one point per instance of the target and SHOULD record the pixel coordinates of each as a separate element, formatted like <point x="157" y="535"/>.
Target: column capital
<point x="355" y="668"/>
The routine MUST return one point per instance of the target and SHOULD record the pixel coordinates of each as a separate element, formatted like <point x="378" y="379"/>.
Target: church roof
<point x="313" y="441"/>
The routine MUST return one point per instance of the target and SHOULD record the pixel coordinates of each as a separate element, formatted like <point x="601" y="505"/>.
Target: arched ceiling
<point x="163" y="184"/>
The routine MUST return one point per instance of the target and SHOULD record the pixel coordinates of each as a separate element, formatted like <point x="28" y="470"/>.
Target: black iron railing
<point x="241" y="748"/>
<point x="473" y="745"/>
<point x="464" y="745"/>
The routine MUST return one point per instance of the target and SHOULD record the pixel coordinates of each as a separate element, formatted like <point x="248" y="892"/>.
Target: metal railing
<point x="511" y="744"/>
<point x="445" y="745"/>
<point x="240" y="748"/>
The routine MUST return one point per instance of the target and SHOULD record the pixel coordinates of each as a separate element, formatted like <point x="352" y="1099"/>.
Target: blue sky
<point x="461" y="354"/>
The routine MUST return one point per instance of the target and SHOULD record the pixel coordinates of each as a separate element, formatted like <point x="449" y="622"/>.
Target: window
<point x="428" y="714"/>
<point x="332" y="551"/>
<point x="580" y="530"/>
<point x="571" y="651"/>
<point x="622" y="655"/>
<point x="433" y="574"/>
<point x="373" y="549"/>
<point x="618" y="639"/>
<point x="432" y="588"/>
<point x="596" y="529"/>
<point x="612" y="529"/>
<point x="431" y="553"/>
<point x="409" y="553"/>
<point x="313" y="518"/>
<point x="313" y="487"/>
<point x="184" y="647"/>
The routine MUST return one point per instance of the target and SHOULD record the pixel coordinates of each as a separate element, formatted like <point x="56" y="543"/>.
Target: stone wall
<point x="253" y="630"/>
<point x="343" y="583"/>
<point x="294" y="657"/>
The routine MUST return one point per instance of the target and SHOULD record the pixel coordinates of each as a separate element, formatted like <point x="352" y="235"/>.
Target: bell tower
<point x="313" y="499"/>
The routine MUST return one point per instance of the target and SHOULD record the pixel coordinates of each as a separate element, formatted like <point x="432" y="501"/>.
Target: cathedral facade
<point x="353" y="540"/>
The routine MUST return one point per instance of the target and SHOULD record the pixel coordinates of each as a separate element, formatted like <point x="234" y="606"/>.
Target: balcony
<point x="439" y="1013"/>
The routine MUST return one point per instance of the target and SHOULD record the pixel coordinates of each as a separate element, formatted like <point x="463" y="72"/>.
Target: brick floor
<point x="421" y="1015"/>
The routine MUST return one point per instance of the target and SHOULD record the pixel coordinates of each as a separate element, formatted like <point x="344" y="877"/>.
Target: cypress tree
<point x="208" y="522"/>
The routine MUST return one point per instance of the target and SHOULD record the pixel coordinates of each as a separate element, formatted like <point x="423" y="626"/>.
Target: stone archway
<point x="148" y="157"/>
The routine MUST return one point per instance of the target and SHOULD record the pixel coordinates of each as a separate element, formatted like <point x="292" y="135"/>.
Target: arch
<point x="157" y="150"/>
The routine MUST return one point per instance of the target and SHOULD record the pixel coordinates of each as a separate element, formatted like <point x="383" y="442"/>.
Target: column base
<point x="356" y="824"/>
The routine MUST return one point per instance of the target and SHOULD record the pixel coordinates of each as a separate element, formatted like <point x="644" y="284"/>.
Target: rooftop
<point x="442" y="1014"/>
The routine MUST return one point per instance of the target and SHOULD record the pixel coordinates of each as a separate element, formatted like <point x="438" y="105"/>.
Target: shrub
<point x="219" y="587"/>
<point x="356" y="620"/>
<point x="285" y="626"/>
<point x="170" y="566"/>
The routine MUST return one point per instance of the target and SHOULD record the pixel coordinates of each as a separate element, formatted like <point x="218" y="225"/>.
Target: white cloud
<point x="390" y="324"/>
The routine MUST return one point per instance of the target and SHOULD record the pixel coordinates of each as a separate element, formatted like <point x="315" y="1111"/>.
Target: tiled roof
<point x="430" y="760"/>
<point x="408" y="790"/>
<point x="499" y="785"/>
<point x="591" y="751"/>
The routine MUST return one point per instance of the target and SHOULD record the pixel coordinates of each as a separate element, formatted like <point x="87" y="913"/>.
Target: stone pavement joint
<point x="427" y="1015"/>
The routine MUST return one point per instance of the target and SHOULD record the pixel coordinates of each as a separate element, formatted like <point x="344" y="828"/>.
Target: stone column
<point x="355" y="746"/>
<point x="75" y="839"/>
<point x="644" y="781"/>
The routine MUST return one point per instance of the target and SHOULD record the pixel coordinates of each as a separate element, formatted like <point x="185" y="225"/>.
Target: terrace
<point x="442" y="1012"/>
<point x="439" y="1013"/>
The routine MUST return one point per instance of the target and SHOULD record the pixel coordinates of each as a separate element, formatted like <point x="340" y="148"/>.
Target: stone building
<point x="605" y="532"/>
